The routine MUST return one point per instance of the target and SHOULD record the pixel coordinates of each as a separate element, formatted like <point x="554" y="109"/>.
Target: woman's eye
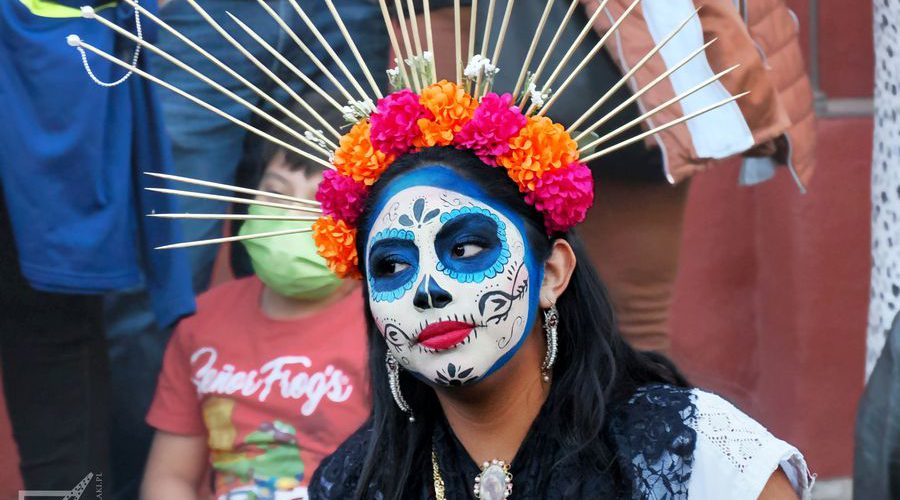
<point x="464" y="250"/>
<point x="388" y="268"/>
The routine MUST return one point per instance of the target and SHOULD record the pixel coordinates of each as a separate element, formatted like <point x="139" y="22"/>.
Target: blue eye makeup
<point x="393" y="264"/>
<point x="471" y="246"/>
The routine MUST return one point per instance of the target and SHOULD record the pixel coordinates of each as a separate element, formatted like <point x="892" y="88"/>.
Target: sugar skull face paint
<point x="451" y="280"/>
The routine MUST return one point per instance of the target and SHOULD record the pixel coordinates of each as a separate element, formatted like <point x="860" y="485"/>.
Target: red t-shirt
<point x="272" y="397"/>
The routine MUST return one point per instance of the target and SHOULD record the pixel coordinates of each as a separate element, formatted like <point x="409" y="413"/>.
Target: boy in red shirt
<point x="269" y="376"/>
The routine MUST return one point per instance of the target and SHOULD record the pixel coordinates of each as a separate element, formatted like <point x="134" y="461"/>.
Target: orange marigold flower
<point x="449" y="108"/>
<point x="358" y="158"/>
<point x="541" y="146"/>
<point x="336" y="243"/>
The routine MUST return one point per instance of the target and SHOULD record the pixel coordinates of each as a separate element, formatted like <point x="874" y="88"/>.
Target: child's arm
<point x="176" y="467"/>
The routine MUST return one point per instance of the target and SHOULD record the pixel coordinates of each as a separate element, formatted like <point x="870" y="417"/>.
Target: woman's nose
<point x="430" y="295"/>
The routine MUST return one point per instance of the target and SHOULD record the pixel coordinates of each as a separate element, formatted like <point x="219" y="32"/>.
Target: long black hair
<point x="594" y="366"/>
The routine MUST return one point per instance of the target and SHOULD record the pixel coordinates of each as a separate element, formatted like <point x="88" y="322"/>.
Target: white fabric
<point x="721" y="132"/>
<point x="735" y="455"/>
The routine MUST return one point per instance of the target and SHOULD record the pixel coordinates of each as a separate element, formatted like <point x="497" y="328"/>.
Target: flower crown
<point x="509" y="131"/>
<point x="537" y="154"/>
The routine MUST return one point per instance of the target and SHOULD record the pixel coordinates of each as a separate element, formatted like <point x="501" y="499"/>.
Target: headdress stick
<point x="654" y="111"/>
<point x="228" y="187"/>
<point x="417" y="86"/>
<point x="334" y="57"/>
<point x="532" y="48"/>
<point x="88" y="13"/>
<point x="630" y="72"/>
<point x="634" y="96"/>
<point x="234" y="199"/>
<point x="227" y="239"/>
<point x="473" y="29"/>
<point x="395" y="45"/>
<point x="283" y="60"/>
<point x="430" y="38"/>
<point x="660" y="128"/>
<point x="189" y="216"/>
<point x="597" y="46"/>
<point x="224" y="67"/>
<point x="309" y="53"/>
<point x="553" y="42"/>
<point x="359" y="59"/>
<point x="457" y="31"/>
<point x="75" y="41"/>
<point x="485" y="41"/>
<point x="499" y="47"/>
<point x="262" y="67"/>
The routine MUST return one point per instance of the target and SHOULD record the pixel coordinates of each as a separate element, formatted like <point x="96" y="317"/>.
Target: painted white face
<point x="450" y="280"/>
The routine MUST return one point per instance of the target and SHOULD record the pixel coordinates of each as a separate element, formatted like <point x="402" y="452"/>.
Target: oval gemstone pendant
<point x="494" y="482"/>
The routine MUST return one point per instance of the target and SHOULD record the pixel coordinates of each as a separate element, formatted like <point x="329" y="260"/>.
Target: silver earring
<point x="393" y="370"/>
<point x="551" y="321"/>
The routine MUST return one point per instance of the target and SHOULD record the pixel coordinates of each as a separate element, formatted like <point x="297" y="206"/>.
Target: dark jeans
<point x="55" y="376"/>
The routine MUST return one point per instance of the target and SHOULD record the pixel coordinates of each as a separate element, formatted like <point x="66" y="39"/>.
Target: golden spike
<point x="628" y="75"/>
<point x="283" y="60"/>
<point x="394" y="44"/>
<point x="532" y="48"/>
<point x="334" y="57"/>
<point x="553" y="42"/>
<point x="312" y="56"/>
<point x="414" y="27"/>
<point x="417" y="86"/>
<point x="227" y="239"/>
<point x="226" y="68"/>
<point x="262" y="67"/>
<point x="352" y="44"/>
<point x="188" y="216"/>
<point x="634" y="96"/>
<point x="660" y="128"/>
<point x="234" y="199"/>
<point x="228" y="187"/>
<point x="243" y="102"/>
<point x="597" y="46"/>
<point x="75" y="41"/>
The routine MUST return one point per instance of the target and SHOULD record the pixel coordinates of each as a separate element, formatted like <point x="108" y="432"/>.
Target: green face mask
<point x="288" y="264"/>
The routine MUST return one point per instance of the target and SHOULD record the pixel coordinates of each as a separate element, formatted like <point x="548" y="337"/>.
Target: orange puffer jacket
<point x="776" y="120"/>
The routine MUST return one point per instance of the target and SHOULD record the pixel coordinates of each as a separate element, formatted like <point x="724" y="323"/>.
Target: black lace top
<point x="651" y="434"/>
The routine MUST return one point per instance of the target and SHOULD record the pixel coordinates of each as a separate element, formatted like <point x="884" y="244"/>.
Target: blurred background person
<point x="270" y="375"/>
<point x="72" y="230"/>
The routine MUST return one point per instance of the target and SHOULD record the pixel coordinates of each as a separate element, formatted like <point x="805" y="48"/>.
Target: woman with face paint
<point x="505" y="376"/>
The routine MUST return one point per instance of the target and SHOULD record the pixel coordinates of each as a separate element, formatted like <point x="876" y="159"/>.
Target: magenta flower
<point x="563" y="196"/>
<point x="495" y="121"/>
<point x="394" y="123"/>
<point x="341" y="197"/>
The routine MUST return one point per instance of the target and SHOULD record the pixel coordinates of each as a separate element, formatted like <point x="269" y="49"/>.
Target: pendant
<point x="494" y="482"/>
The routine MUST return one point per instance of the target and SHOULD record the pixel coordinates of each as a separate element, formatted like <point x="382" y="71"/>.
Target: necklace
<point x="493" y="483"/>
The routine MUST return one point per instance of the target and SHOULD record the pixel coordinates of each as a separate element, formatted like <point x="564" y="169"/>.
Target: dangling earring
<point x="393" y="370"/>
<point x="551" y="321"/>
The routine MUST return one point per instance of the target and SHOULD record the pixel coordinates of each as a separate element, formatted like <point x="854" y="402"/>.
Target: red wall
<point x="772" y="294"/>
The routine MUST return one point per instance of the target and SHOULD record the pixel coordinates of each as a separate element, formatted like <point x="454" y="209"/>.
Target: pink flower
<point x="563" y="196"/>
<point x="394" y="123"/>
<point x="495" y="121"/>
<point x="342" y="198"/>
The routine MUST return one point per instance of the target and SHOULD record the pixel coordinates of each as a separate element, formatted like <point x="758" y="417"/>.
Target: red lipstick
<point x="444" y="335"/>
